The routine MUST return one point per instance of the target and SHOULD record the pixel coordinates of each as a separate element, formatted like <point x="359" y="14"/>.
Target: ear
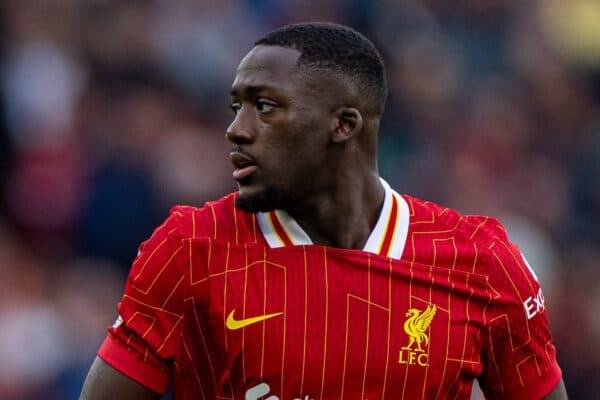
<point x="349" y="122"/>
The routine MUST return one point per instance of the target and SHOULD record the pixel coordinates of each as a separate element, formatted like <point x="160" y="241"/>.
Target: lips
<point x="244" y="165"/>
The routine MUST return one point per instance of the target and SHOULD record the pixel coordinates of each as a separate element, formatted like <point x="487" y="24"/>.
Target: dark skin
<point x="283" y="114"/>
<point x="281" y="117"/>
<point x="106" y="383"/>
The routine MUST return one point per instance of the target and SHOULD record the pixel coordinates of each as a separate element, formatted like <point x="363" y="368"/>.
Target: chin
<point x="261" y="200"/>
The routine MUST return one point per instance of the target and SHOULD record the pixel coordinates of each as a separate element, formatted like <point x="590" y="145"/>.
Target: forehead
<point x="266" y="66"/>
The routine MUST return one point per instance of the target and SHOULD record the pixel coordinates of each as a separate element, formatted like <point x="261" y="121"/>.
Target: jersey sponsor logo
<point x="415" y="327"/>
<point x="232" y="324"/>
<point x="262" y="389"/>
<point x="534" y="304"/>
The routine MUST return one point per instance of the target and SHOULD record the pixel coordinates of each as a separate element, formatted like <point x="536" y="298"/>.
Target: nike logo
<point x="233" y="324"/>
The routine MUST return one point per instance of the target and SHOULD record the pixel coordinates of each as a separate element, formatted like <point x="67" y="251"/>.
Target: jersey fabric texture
<point x="224" y="304"/>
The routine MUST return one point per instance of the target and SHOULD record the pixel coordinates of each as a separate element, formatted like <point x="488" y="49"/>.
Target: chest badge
<point x="415" y="327"/>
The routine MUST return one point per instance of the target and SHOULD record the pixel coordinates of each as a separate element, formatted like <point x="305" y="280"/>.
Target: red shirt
<point x="226" y="304"/>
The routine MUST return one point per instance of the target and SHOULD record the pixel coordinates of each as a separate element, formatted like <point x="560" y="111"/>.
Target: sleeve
<point x="146" y="336"/>
<point x="518" y="352"/>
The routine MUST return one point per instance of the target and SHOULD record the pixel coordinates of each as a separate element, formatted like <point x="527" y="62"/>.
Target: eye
<point x="264" y="107"/>
<point x="235" y="106"/>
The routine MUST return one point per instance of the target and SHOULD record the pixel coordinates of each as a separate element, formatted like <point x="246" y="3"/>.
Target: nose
<point x="240" y="130"/>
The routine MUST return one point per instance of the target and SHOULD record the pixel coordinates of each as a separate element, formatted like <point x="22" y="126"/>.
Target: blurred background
<point x="111" y="111"/>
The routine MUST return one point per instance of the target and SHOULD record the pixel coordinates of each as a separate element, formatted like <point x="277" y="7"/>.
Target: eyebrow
<point x="250" y="89"/>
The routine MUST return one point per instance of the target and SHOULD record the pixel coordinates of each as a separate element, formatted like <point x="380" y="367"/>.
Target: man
<point x="317" y="280"/>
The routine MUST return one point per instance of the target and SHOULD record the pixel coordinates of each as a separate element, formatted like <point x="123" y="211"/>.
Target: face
<point x="280" y="131"/>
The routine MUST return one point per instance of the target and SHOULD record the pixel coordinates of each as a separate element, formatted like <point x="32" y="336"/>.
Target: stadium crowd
<point x="111" y="112"/>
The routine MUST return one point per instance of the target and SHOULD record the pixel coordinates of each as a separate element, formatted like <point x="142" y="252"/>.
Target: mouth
<point x="243" y="164"/>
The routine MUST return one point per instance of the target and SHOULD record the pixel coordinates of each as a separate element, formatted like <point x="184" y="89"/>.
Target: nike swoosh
<point x="233" y="323"/>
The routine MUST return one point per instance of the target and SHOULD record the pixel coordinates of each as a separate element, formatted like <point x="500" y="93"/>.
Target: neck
<point x="345" y="214"/>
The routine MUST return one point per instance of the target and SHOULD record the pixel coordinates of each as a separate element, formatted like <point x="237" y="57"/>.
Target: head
<point x="307" y="100"/>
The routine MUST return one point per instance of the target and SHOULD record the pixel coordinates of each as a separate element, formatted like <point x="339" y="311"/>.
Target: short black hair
<point x="338" y="48"/>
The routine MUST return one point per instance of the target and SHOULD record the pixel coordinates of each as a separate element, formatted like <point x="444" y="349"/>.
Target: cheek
<point x="296" y="143"/>
<point x="312" y="141"/>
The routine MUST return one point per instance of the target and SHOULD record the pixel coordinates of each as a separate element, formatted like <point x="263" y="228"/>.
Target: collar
<point x="387" y="238"/>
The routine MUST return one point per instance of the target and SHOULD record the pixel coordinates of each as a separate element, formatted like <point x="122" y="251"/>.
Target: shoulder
<point x="467" y="241"/>
<point x="480" y="228"/>
<point x="218" y="219"/>
<point x="161" y="255"/>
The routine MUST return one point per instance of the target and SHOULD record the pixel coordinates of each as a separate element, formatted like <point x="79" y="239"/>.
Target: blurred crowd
<point x="112" y="111"/>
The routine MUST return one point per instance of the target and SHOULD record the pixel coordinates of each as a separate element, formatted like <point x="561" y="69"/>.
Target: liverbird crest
<point x="416" y="326"/>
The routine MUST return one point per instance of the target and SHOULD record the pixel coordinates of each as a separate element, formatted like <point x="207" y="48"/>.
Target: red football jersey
<point x="223" y="304"/>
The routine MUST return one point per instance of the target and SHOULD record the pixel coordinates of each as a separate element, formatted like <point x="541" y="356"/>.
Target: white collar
<point x="388" y="238"/>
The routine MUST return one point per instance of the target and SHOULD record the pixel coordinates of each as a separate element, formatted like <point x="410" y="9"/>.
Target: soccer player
<point x="317" y="280"/>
